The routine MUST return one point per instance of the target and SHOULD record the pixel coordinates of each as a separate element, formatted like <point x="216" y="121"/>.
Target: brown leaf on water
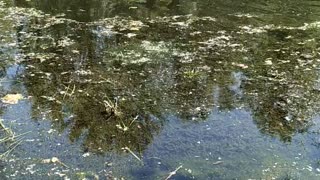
<point x="12" y="98"/>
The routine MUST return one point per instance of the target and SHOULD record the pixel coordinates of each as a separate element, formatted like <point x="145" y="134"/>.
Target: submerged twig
<point x="66" y="91"/>
<point x="74" y="88"/>
<point x="133" y="154"/>
<point x="3" y="140"/>
<point x="9" y="131"/>
<point x="5" y="154"/>
<point x="22" y="134"/>
<point x="112" y="107"/>
<point x="173" y="173"/>
<point x="10" y="136"/>
<point x="109" y="103"/>
<point x="134" y="119"/>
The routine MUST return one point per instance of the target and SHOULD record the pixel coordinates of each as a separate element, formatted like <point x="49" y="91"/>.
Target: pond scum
<point x="167" y="97"/>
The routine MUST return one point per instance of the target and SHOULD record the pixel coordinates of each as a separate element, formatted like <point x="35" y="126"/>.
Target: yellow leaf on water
<point x="12" y="98"/>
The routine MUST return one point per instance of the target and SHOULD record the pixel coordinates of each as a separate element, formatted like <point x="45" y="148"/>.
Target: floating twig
<point x="173" y="173"/>
<point x="217" y="162"/>
<point x="54" y="160"/>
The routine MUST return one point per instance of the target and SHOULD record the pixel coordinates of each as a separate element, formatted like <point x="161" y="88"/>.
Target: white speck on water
<point x="86" y="155"/>
<point x="50" y="131"/>
<point x="29" y="140"/>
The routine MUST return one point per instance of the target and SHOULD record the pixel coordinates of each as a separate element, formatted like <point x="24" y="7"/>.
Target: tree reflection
<point x="282" y="95"/>
<point x="116" y="90"/>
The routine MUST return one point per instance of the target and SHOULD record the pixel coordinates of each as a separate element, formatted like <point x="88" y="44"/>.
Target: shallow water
<point x="137" y="90"/>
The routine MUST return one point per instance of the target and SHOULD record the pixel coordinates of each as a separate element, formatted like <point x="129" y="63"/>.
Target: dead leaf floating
<point x="12" y="98"/>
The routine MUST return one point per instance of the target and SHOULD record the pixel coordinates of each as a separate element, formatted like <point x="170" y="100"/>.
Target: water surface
<point x="139" y="89"/>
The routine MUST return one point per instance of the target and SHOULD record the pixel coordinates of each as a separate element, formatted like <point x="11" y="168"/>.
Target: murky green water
<point x="137" y="90"/>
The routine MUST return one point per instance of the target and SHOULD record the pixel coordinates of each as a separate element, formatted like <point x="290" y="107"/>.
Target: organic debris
<point x="133" y="154"/>
<point x="217" y="162"/>
<point x="54" y="160"/>
<point x="173" y="173"/>
<point x="10" y="138"/>
<point x="12" y="98"/>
